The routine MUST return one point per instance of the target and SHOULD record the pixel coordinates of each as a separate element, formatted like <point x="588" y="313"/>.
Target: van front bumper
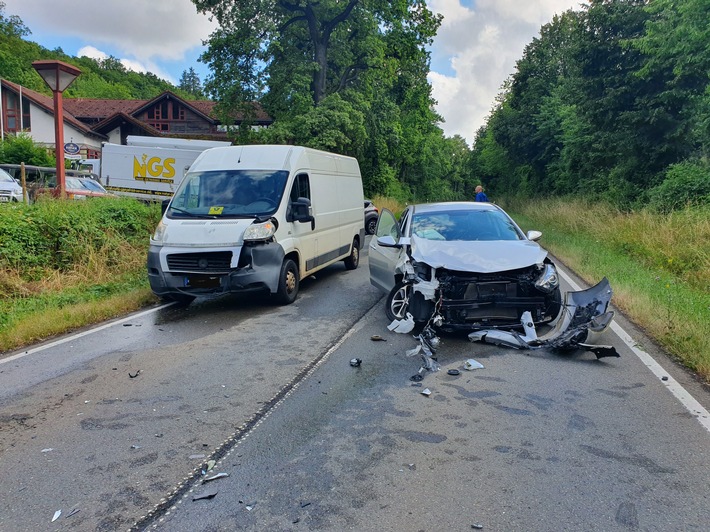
<point x="259" y="269"/>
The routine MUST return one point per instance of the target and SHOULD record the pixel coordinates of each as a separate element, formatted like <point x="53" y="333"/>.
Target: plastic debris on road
<point x="472" y="364"/>
<point x="426" y="392"/>
<point x="210" y="494"/>
<point x="215" y="477"/>
<point x="355" y="362"/>
<point x="56" y="515"/>
<point x="377" y="338"/>
<point x="402" y="326"/>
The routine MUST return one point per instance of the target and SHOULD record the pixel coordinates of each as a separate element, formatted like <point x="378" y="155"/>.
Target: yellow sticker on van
<point x="216" y="210"/>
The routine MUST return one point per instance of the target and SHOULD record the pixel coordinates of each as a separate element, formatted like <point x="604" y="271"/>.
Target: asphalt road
<point x="115" y="427"/>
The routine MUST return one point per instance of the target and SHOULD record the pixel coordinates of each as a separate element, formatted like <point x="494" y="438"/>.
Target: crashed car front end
<point x="453" y="299"/>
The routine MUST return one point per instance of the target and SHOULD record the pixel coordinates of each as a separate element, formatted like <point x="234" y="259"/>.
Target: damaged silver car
<point x="462" y="266"/>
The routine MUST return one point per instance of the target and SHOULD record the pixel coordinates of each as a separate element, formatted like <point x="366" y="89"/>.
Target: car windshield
<point x="5" y="177"/>
<point x="465" y="225"/>
<point x="74" y="184"/>
<point x="93" y="185"/>
<point x="229" y="193"/>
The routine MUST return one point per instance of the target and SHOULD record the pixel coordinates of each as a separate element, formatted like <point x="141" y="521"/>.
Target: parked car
<point x="10" y="190"/>
<point x="371" y="215"/>
<point x="94" y="186"/>
<point x="462" y="266"/>
<point x="75" y="188"/>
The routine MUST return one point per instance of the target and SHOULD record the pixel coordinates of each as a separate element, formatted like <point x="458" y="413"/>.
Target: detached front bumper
<point x="210" y="272"/>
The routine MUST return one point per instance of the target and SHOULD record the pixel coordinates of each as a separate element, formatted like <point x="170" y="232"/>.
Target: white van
<point x="257" y="217"/>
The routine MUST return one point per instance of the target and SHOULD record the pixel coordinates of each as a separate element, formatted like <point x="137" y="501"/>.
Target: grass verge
<point x="658" y="266"/>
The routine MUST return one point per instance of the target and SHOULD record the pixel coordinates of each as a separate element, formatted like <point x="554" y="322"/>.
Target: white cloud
<point x="143" y="32"/>
<point x="475" y="52"/>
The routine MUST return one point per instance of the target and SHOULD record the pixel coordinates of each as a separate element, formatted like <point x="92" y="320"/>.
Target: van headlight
<point x="548" y="281"/>
<point x="260" y="232"/>
<point x="159" y="233"/>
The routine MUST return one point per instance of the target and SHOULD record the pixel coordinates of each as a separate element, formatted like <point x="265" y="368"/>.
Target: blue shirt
<point x="481" y="196"/>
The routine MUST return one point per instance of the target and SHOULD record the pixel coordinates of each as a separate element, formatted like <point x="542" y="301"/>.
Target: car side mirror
<point x="388" y="241"/>
<point x="534" y="235"/>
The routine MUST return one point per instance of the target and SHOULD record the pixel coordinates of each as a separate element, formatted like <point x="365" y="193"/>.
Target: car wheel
<point x="288" y="283"/>
<point x="370" y="226"/>
<point x="352" y="261"/>
<point x="398" y="302"/>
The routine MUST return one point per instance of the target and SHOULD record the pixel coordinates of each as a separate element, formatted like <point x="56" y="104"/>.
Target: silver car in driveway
<point x="462" y="266"/>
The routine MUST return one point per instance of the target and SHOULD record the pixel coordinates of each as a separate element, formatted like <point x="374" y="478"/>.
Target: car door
<point x="385" y="251"/>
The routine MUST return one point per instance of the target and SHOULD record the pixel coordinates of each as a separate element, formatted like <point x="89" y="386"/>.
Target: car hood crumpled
<point x="477" y="256"/>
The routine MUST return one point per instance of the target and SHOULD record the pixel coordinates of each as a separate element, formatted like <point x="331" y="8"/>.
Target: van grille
<point x="214" y="262"/>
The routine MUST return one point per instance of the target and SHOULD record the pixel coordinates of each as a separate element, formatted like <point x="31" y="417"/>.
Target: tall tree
<point x="190" y="82"/>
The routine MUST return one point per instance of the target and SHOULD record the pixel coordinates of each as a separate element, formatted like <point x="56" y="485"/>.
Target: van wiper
<point x="192" y="214"/>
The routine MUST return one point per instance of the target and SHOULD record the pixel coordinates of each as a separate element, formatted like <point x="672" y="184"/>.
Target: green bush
<point x="20" y="148"/>
<point x="55" y="234"/>
<point x="686" y="183"/>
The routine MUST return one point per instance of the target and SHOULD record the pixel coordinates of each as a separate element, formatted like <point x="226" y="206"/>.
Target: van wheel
<point x="353" y="259"/>
<point x="288" y="283"/>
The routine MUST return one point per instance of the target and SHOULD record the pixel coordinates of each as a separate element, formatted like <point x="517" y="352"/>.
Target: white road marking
<point x="81" y="334"/>
<point x="672" y="385"/>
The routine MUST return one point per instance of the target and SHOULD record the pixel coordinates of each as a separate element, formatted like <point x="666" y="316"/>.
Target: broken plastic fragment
<point x="215" y="477"/>
<point x="209" y="494"/>
<point x="74" y="511"/>
<point x="402" y="326"/>
<point x="377" y="338"/>
<point x="47" y="450"/>
<point x="195" y="456"/>
<point x="426" y="391"/>
<point x="210" y="465"/>
<point x="472" y="364"/>
<point x="355" y="362"/>
<point x="454" y="372"/>
<point x="56" y="515"/>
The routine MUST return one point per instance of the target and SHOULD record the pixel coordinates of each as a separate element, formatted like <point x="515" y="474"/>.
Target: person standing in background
<point x="480" y="195"/>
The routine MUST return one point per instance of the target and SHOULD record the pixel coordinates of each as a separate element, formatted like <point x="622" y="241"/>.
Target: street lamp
<point x="58" y="76"/>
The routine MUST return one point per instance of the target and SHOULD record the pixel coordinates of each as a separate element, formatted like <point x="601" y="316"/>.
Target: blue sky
<point x="474" y="52"/>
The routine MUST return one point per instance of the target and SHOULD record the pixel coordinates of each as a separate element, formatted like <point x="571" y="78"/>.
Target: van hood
<point x="201" y="233"/>
<point x="477" y="256"/>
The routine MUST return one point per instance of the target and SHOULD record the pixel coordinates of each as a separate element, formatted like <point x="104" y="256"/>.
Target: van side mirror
<point x="301" y="211"/>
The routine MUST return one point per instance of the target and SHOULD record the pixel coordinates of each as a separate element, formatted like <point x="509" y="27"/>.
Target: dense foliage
<point x="349" y="77"/>
<point x="609" y="102"/>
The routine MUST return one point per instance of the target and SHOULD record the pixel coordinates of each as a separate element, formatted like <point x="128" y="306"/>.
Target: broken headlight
<point x="422" y="270"/>
<point x="548" y="280"/>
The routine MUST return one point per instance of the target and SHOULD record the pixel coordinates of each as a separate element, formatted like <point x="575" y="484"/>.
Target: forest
<point x="611" y="101"/>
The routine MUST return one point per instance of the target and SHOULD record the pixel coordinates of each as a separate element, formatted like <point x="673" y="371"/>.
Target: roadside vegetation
<point x="67" y="264"/>
<point x="658" y="265"/>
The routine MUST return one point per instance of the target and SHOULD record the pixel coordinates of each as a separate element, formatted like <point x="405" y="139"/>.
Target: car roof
<point x="453" y="206"/>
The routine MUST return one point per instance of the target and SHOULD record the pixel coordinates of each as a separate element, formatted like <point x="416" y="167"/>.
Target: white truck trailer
<point x="149" y="168"/>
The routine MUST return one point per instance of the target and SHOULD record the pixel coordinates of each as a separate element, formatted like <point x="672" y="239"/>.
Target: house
<point x="88" y="122"/>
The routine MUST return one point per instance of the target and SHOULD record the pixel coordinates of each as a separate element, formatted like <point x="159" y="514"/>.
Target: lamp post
<point x="58" y="75"/>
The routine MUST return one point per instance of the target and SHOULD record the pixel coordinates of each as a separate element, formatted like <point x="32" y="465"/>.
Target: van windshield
<point x="229" y="193"/>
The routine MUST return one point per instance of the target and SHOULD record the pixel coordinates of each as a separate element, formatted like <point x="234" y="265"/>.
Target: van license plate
<point x="4" y="198"/>
<point x="201" y="281"/>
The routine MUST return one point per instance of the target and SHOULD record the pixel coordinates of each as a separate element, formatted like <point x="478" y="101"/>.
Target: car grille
<point x="213" y="262"/>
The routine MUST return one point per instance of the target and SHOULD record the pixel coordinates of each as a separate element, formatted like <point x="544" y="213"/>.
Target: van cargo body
<point x="149" y="168"/>
<point x="258" y="217"/>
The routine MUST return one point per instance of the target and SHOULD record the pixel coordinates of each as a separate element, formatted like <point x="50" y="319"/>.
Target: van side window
<point x="301" y="187"/>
